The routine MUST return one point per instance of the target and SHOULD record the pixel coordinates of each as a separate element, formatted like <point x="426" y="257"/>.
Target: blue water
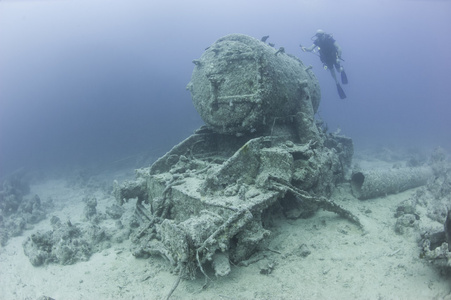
<point x="94" y="82"/>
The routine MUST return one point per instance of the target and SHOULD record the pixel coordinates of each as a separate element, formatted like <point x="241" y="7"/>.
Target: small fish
<point x="281" y="50"/>
<point x="264" y="38"/>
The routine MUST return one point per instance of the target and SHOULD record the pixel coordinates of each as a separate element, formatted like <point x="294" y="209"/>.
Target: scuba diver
<point x="330" y="55"/>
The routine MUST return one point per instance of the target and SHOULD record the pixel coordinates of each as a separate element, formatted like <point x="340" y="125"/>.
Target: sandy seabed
<point x="322" y="257"/>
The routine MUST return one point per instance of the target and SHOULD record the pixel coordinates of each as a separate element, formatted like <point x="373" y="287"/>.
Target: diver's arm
<point x="338" y="49"/>
<point x="309" y="49"/>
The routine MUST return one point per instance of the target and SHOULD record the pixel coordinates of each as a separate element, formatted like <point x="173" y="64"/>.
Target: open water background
<point x="94" y="82"/>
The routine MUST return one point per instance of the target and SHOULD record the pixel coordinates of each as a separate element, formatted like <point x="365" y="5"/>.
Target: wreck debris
<point x="305" y="199"/>
<point x="435" y="206"/>
<point x="240" y="86"/>
<point x="369" y="184"/>
<point x="447" y="228"/>
<point x="205" y="201"/>
<point x="198" y="217"/>
<point x="436" y="250"/>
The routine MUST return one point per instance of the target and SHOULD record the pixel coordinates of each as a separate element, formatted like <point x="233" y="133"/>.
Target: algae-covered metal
<point x="242" y="85"/>
<point x="201" y="200"/>
<point x="261" y="151"/>
<point x="367" y="184"/>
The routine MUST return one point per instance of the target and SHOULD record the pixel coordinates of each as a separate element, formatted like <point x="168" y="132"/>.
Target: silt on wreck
<point x="206" y="200"/>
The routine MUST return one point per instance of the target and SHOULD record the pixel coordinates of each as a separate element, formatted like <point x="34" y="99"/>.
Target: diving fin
<point x="341" y="92"/>
<point x="344" y="78"/>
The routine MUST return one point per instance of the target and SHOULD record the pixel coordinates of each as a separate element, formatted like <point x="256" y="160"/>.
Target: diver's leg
<point x="341" y="93"/>
<point x="332" y="72"/>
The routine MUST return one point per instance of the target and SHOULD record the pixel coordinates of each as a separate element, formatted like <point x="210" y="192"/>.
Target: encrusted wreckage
<point x="436" y="244"/>
<point x="207" y="199"/>
<point x="368" y="184"/>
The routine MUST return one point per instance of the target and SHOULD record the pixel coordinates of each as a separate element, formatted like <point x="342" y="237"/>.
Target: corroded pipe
<point x="375" y="183"/>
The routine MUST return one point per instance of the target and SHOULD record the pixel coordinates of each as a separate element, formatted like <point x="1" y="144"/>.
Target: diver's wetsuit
<point x="327" y="51"/>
